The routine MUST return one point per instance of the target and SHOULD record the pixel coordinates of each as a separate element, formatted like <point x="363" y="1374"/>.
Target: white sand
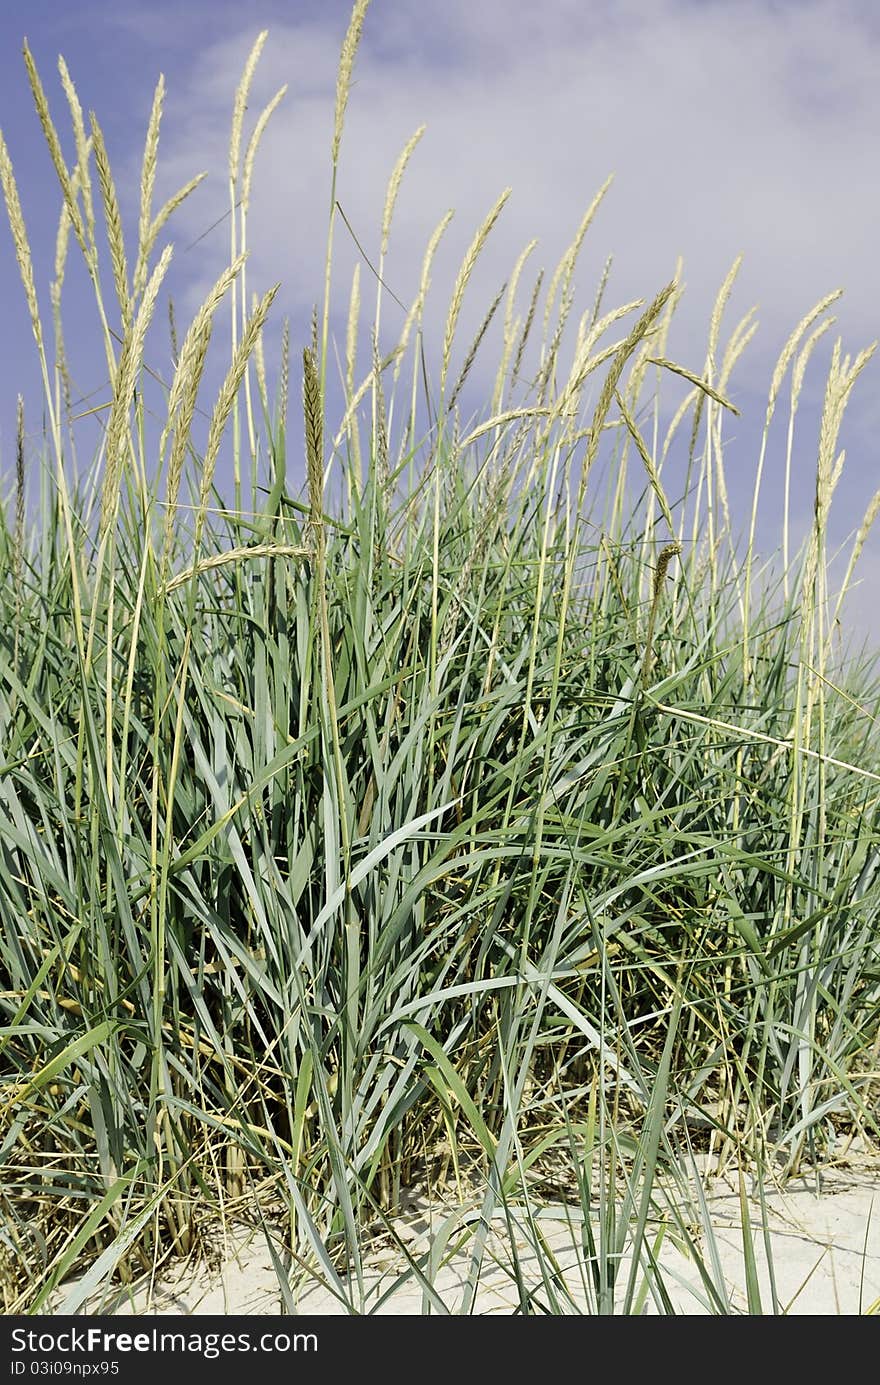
<point x="825" y="1250"/>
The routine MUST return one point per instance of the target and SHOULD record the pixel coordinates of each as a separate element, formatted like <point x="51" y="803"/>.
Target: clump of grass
<point x="437" y="819"/>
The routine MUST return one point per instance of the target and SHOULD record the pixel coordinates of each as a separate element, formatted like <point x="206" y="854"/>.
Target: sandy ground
<point x="824" y="1244"/>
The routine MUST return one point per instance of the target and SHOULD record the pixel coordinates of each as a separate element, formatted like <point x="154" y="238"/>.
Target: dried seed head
<point x="20" y="239"/>
<point x="564" y="271"/>
<point x="226" y="398"/>
<point x="130" y="359"/>
<point x="792" y="344"/>
<point x="240" y="104"/>
<point x="394" y="185"/>
<point x="195" y="345"/>
<point x="148" y="180"/>
<point x="51" y="136"/>
<point x="182" y="430"/>
<point x="113" y="220"/>
<point x="260" y="360"/>
<point x="83" y="146"/>
<point x="718" y="311"/>
<point x="346" y="67"/>
<point x="414" y="314"/>
<point x="464" y="274"/>
<point x="253" y="145"/>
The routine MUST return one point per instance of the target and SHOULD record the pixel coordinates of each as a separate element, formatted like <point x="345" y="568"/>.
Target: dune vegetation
<point x="456" y="802"/>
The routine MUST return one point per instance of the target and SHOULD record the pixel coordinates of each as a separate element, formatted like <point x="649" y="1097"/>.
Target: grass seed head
<point x="344" y="74"/>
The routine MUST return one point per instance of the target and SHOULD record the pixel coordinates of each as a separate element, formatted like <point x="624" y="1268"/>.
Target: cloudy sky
<point x="730" y="126"/>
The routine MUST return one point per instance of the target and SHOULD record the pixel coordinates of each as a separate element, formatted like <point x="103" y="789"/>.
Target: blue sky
<point x="729" y="125"/>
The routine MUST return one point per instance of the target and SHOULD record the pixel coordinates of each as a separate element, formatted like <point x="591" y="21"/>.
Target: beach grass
<point x="481" y="813"/>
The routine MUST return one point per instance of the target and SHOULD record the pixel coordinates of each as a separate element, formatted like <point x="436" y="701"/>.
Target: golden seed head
<point x="346" y="67"/>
